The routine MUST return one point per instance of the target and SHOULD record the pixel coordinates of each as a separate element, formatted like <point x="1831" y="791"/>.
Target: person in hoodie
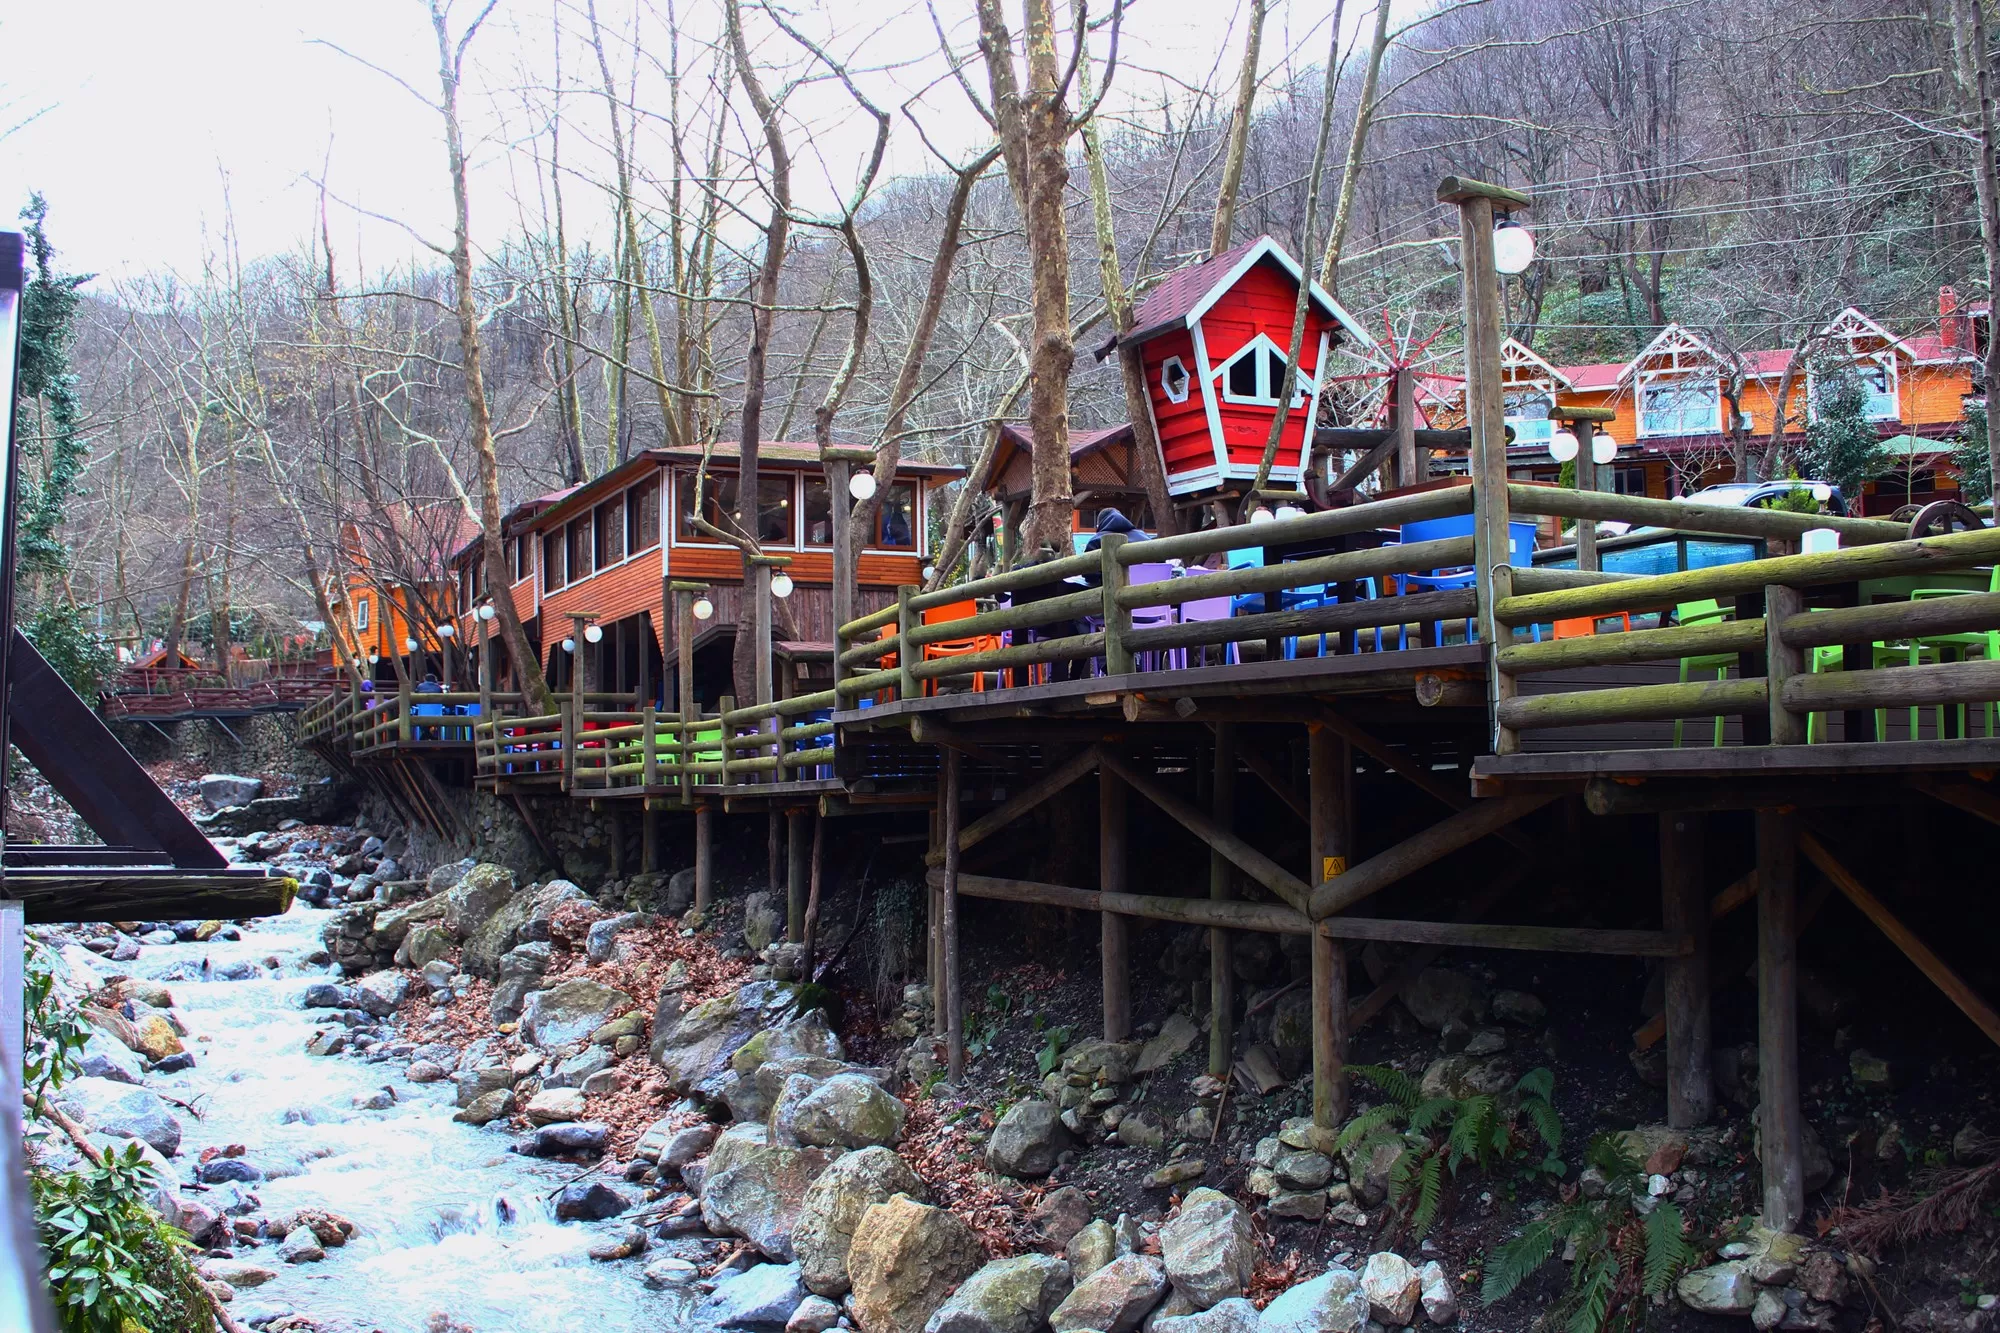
<point x="1110" y="520"/>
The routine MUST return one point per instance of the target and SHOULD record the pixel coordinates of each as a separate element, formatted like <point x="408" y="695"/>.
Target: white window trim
<point x="361" y="615"/>
<point x="1664" y="380"/>
<point x="1166" y="380"/>
<point x="1308" y="385"/>
<point x="670" y="513"/>
<point x="1886" y="362"/>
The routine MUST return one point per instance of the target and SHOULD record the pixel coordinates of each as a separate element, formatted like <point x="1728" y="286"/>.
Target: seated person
<point x="429" y="684"/>
<point x="1110" y="520"/>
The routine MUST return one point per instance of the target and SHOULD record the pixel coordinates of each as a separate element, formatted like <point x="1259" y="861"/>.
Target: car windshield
<point x="1734" y="493"/>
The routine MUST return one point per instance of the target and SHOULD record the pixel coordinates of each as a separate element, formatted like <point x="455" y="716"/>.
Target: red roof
<point x="1170" y="302"/>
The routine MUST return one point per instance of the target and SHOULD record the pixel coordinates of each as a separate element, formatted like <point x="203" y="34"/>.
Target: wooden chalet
<point x="1102" y="475"/>
<point x="376" y="613"/>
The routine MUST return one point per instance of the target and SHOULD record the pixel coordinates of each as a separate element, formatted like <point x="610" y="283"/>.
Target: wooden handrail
<point x="1444" y="502"/>
<point x="1680" y="516"/>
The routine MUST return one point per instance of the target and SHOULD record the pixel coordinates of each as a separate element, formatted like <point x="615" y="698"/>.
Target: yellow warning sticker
<point x="1330" y="866"/>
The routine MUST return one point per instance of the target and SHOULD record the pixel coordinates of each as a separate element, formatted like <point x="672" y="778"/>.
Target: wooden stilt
<point x="1779" y="1116"/>
<point x="954" y="1033"/>
<point x="1221" y="975"/>
<point x="798" y="854"/>
<point x="615" y="833"/>
<point x="774" y="854"/>
<point x="1684" y="911"/>
<point x="1330" y="779"/>
<point x="649" y="840"/>
<point x="1114" y="938"/>
<point x="934" y="925"/>
<point x="812" y="893"/>
<point x="704" y="857"/>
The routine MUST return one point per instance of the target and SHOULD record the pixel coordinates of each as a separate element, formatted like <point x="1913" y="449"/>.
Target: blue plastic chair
<point x="426" y="710"/>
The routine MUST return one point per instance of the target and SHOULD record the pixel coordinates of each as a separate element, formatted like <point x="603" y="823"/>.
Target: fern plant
<point x="1441" y="1134"/>
<point x="1622" y="1254"/>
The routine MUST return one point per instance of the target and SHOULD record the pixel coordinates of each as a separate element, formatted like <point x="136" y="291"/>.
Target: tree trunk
<point x="1364" y="118"/>
<point x="1239" y="139"/>
<point x="1975" y="80"/>
<point x="479" y="416"/>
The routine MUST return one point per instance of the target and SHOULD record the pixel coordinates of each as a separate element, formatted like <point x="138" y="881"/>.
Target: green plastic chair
<point x="708" y="736"/>
<point x="1707" y="611"/>
<point x="1831" y="657"/>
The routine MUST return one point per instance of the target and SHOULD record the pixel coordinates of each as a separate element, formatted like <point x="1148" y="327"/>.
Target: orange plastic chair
<point x="965" y="647"/>
<point x="1583" y="627"/>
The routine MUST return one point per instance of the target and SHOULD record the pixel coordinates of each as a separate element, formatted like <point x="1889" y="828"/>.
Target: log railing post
<point x="798" y="865"/>
<point x="1684" y="912"/>
<point x="704" y="856"/>
<point x="906" y="620"/>
<point x="1113" y="929"/>
<point x="1780" y="1122"/>
<point x="405" y="731"/>
<point x="1330" y="782"/>
<point x="566" y="763"/>
<point x="1782" y="662"/>
<point x="1486" y="411"/>
<point x="725" y="725"/>
<point x="1117" y="619"/>
<point x="649" y="754"/>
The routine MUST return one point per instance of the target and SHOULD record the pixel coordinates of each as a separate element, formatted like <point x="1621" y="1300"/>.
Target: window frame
<point x="579" y="537"/>
<point x="602" y="529"/>
<point x="555" y="579"/>
<point x="648" y="535"/>
<point x="1269" y="356"/>
<point x="1167" y="367"/>
<point x="361" y="613"/>
<point x="1679" y="385"/>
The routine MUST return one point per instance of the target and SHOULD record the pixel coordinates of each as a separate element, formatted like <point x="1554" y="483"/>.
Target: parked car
<point x="1745" y="495"/>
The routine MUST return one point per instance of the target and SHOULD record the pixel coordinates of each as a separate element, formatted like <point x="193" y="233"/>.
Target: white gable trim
<point x="1672" y="339"/>
<point x="1515" y="353"/>
<point x="1851" y="321"/>
<point x="1266" y="248"/>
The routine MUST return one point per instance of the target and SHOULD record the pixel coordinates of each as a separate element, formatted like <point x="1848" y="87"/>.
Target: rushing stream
<point x="425" y="1194"/>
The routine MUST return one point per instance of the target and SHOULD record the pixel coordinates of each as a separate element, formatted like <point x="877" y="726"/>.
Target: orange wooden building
<point x="375" y="615"/>
<point x="606" y="550"/>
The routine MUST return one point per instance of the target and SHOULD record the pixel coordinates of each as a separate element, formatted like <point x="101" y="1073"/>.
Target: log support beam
<point x="954" y="995"/>
<point x="1780" y="1118"/>
<point x="1114" y="930"/>
<point x="1330" y="779"/>
<point x="1237" y="851"/>
<point x="1221" y="971"/>
<point x="1412" y="854"/>
<point x="1684" y="911"/>
<point x="798" y="873"/>
<point x="704" y="857"/>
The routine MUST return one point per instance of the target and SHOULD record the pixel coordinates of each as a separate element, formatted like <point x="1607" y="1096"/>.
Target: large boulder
<point x="122" y="1110"/>
<point x="1438" y="996"/>
<point x="905" y="1260"/>
<point x="488" y="942"/>
<point x="1209" y="1248"/>
<point x="521" y="970"/>
<point x="758" y="1298"/>
<point x="1724" y="1288"/>
<point x="758" y="1196"/>
<point x="1114" y="1298"/>
<point x="695" y="1048"/>
<point x="567" y="1013"/>
<point x="479" y="893"/>
<point x="219" y="791"/>
<point x="1329" y="1303"/>
<point x="1235" y="1315"/>
<point x="846" y="1111"/>
<point x="832" y="1209"/>
<point x="806" y="1038"/>
<point x="1027" y="1139"/>
<point x="425" y="944"/>
<point x="1392" y="1288"/>
<point x="393" y="924"/>
<point x="106" y="1058"/>
<point x="1006" y="1296"/>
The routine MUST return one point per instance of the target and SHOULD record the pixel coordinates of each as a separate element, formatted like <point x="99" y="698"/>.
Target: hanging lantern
<point x="446" y="630"/>
<point x="569" y="645"/>
<point x="374" y="659"/>
<point x="1603" y="447"/>
<point x="409" y="645"/>
<point x="1289" y="511"/>
<point x="1513" y="247"/>
<point x="1262" y="515"/>
<point x="1562" y="446"/>
<point x="861" y="485"/>
<point x="487" y="612"/>
<point x="593" y="633"/>
<point x="703" y="608"/>
<point x="930" y="572"/>
<point x="781" y="585"/>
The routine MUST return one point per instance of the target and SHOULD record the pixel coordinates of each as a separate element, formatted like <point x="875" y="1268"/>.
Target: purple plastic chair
<point x="1201" y="609"/>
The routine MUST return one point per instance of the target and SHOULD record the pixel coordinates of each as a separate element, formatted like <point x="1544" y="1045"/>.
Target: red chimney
<point x="1950" y="322"/>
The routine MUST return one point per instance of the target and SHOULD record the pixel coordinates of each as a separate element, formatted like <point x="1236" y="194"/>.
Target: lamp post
<point x="1583" y="423"/>
<point x="445" y="631"/>
<point x="1486" y="410"/>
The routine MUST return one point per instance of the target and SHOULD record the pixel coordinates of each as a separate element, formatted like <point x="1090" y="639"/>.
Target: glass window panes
<point x="552" y="561"/>
<point x="579" y="549"/>
<point x="611" y="532"/>
<point x="524" y="557"/>
<point x="818" y="512"/>
<point x="896" y="524"/>
<point x="718" y="500"/>
<point x="774" y="510"/>
<point x="1881" y="388"/>
<point x="1680" y="407"/>
<point x="642" y="516"/>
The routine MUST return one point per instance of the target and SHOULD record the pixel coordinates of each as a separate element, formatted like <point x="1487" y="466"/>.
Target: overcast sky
<point x="148" y="112"/>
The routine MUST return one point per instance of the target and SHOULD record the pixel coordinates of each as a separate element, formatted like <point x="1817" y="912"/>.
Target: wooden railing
<point x="756" y="751"/>
<point x="275" y="694"/>
<point x="870" y="640"/>
<point x="1770" y="631"/>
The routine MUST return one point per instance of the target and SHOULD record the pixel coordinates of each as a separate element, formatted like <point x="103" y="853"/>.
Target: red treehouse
<point x="1213" y="338"/>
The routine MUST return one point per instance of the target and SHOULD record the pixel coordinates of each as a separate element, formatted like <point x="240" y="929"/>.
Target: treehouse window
<point x="552" y="561"/>
<point x="818" y="512"/>
<point x="611" y="532"/>
<point x="896" y="524"/>
<point x="642" y="517"/>
<point x="1174" y="379"/>
<point x="1254" y="375"/>
<point x="361" y="615"/>
<point x="1680" y="407"/>
<point x="579" y="549"/>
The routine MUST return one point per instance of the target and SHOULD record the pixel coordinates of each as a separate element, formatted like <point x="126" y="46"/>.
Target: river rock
<point x="590" y="1201"/>
<point x="123" y="1110"/>
<point x="479" y="893"/>
<point x="492" y="939"/>
<point x="1302" y="1170"/>
<point x="157" y="1038"/>
<point x="804" y="1039"/>
<point x="1519" y="1008"/>
<point x="426" y="943"/>
<point x="1027" y="1140"/>
<point x="486" y="1108"/>
<point x="602" y="937"/>
<point x="695" y="1047"/>
<point x="570" y="1011"/>
<point x="1093" y="1246"/>
<point x="1369" y="1170"/>
<point x="758" y="1196"/>
<point x="1059" y="1216"/>
<point x="833" y="1206"/>
<point x="1392" y="1288"/>
<point x="762" y="1297"/>
<point x="559" y="1140"/>
<point x="1006" y="1296"/>
<point x="105" y="1058"/>
<point x="1176" y="1034"/>
<point x="382" y="994"/>
<point x="1464" y="1076"/>
<point x="623" y="1243"/>
<point x="1114" y="1298"/>
<point x="1724" y="1288"/>
<point x="1329" y="1303"/>
<point x="1234" y="1315"/>
<point x="394" y="924"/>
<point x="236" y="1272"/>
<point x="905" y="1259"/>
<point x="301" y="1247"/>
<point x="554" y="1105"/>
<point x="225" y="1170"/>
<point x="1439" y="996"/>
<point x="815" y="1314"/>
<point x="1209" y="1248"/>
<point x="219" y="791"/>
<point x="670" y="1274"/>
<point x="762" y="922"/>
<point x="684" y="1145"/>
<point x="847" y="1111"/>
<point x="1439" y="1300"/>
